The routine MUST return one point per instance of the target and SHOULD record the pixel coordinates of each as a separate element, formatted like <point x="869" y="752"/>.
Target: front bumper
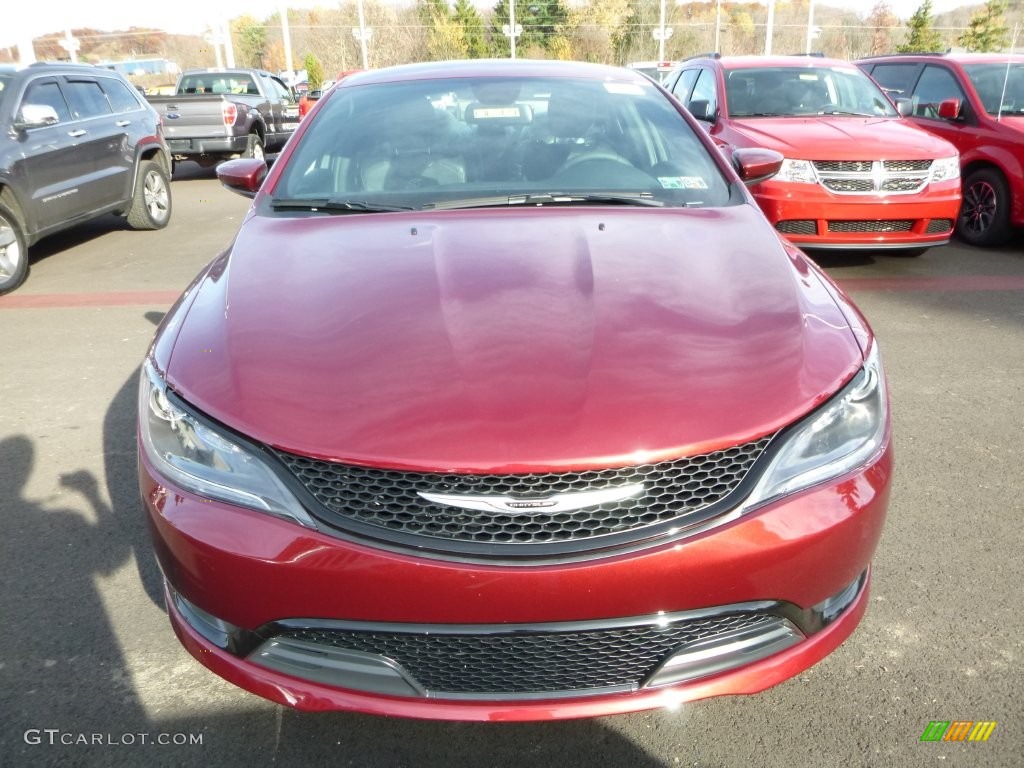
<point x="286" y="593"/>
<point x="812" y="217"/>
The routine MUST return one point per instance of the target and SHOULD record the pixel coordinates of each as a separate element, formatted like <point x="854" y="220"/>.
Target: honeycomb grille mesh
<point x="936" y="226"/>
<point x="798" y="227"/>
<point x="871" y="226"/>
<point x="389" y="500"/>
<point x="524" y="662"/>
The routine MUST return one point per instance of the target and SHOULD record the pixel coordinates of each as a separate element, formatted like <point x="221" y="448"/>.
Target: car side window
<point x="48" y="93"/>
<point x="704" y="91"/>
<point x="935" y="86"/>
<point x="86" y="99"/>
<point x="684" y="84"/>
<point x="898" y="78"/>
<point x="121" y="97"/>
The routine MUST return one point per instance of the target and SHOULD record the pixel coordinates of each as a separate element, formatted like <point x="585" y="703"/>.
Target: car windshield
<point x="802" y="91"/>
<point x="1000" y="86"/>
<point x="491" y="141"/>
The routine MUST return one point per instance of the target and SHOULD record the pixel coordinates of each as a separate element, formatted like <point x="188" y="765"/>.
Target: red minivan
<point x="976" y="102"/>
<point x="857" y="175"/>
<point x="507" y="403"/>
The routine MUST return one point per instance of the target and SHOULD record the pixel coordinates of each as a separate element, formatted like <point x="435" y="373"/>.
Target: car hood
<point x="508" y="340"/>
<point x="843" y="138"/>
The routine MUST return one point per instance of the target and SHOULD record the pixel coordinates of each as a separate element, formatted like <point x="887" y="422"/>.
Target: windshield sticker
<point x="682" y="182"/>
<point x="628" y="89"/>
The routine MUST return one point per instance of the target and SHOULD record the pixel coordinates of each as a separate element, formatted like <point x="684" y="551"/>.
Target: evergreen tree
<point x="921" y="38"/>
<point x="472" y="29"/>
<point x="988" y="30"/>
<point x="314" y="71"/>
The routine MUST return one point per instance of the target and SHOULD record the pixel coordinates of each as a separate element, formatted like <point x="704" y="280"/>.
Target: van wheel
<point x="151" y="206"/>
<point x="254" y="148"/>
<point x="13" y="251"/>
<point x="984" y="218"/>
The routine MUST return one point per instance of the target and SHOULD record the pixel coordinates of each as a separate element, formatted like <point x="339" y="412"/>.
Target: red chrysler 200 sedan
<point x="507" y="403"/>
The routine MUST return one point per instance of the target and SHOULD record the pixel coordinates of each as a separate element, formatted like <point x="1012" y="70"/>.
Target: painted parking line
<point x="161" y="299"/>
<point x="924" y="284"/>
<point x="166" y="298"/>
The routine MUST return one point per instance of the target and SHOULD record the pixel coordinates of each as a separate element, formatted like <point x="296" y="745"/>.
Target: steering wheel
<point x="587" y="157"/>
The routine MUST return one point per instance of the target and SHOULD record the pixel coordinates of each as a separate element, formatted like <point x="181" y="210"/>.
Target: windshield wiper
<point x="551" y="198"/>
<point x="845" y="113"/>
<point x="330" y="205"/>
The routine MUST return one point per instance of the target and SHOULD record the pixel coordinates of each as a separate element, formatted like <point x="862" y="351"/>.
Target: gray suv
<point x="76" y="142"/>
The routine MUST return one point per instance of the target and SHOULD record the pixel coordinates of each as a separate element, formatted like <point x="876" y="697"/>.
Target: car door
<point x="135" y="118"/>
<point x="284" y="106"/>
<point x="928" y="86"/>
<point x="102" y="142"/>
<point x="51" y="165"/>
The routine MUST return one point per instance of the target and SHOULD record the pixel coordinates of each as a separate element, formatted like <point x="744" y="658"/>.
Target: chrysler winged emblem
<point x="557" y="502"/>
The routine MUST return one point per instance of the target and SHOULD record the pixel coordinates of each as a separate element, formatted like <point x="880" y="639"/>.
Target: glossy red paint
<point x="676" y="374"/>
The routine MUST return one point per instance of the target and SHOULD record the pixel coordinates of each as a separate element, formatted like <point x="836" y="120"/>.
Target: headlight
<point x="801" y="171"/>
<point x="945" y="169"/>
<point x="844" y="434"/>
<point x="197" y="458"/>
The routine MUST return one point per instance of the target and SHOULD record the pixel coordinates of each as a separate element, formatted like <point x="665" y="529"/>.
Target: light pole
<point x="810" y="26"/>
<point x="512" y="30"/>
<point x="768" y="28"/>
<point x="718" y="26"/>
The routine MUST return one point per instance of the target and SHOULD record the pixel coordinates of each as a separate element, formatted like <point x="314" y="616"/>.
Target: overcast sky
<point x="38" y="17"/>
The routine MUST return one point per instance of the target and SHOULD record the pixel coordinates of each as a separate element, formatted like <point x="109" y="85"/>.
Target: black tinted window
<point x="86" y="99"/>
<point x="935" y="86"/>
<point x="122" y="99"/>
<point x="896" y="77"/>
<point x="48" y="93"/>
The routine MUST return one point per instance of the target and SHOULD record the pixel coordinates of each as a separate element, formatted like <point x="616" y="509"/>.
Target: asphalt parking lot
<point x="87" y="650"/>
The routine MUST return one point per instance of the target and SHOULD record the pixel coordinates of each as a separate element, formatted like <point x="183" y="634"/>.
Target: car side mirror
<point x="244" y="176"/>
<point x="36" y="116"/>
<point x="701" y="110"/>
<point x="755" y="164"/>
<point x="905" y="106"/>
<point x="949" y="109"/>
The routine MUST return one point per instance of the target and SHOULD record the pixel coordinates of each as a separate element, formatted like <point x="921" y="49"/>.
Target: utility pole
<point x="287" y="35"/>
<point x="769" y="28"/>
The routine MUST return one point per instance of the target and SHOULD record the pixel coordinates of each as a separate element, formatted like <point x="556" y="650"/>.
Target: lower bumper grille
<point x="798" y="227"/>
<point x="522" y="662"/>
<point x="871" y="226"/>
<point x="939" y="226"/>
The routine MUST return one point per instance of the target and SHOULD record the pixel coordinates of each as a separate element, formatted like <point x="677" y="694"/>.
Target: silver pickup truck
<point x="216" y="114"/>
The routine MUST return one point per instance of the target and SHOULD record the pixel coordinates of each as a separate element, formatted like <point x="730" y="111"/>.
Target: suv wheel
<point x="151" y="207"/>
<point x="985" y="211"/>
<point x="13" y="253"/>
<point x="254" y="148"/>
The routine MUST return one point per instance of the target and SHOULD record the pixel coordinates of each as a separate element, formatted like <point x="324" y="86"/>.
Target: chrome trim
<point x="878" y="176"/>
<point x="727" y="651"/>
<point x="558" y="502"/>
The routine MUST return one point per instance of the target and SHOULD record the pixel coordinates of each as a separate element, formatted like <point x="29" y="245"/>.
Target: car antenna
<point x="1006" y="76"/>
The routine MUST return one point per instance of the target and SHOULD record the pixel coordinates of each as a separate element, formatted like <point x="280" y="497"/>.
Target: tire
<point x="984" y="218"/>
<point x="13" y="251"/>
<point x="151" y="205"/>
<point x="254" y="148"/>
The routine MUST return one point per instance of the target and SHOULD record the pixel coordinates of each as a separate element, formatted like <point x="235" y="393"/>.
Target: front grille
<point x="531" y="661"/>
<point x="386" y="503"/>
<point x="870" y="226"/>
<point x="906" y="166"/>
<point x="849" y="186"/>
<point x="937" y="226"/>
<point x="859" y="177"/>
<point x="798" y="227"/>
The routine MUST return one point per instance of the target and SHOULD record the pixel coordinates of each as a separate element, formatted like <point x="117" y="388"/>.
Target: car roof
<point x="959" y="58"/>
<point x="795" y="61"/>
<point x="493" y="68"/>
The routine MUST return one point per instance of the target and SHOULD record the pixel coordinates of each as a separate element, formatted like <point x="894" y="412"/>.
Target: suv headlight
<point x="845" y="433"/>
<point x="196" y="457"/>
<point x="945" y="169"/>
<point x="801" y="171"/>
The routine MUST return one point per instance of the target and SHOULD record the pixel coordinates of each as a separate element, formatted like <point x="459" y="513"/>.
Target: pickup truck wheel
<point x="984" y="218"/>
<point x="254" y="148"/>
<point x="13" y="252"/>
<point x="151" y="206"/>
